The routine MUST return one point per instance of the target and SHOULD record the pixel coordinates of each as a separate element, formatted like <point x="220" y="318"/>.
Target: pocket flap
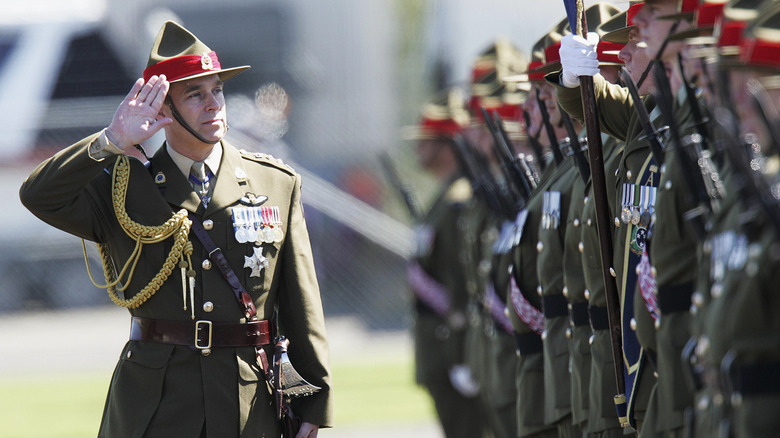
<point x="148" y="354"/>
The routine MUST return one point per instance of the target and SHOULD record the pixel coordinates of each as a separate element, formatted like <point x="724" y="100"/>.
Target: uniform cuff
<point x="103" y="148"/>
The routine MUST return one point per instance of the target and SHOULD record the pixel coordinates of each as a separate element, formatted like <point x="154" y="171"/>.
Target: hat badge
<point x="206" y="62"/>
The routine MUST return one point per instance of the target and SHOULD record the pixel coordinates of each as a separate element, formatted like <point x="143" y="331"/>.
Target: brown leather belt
<point x="202" y="334"/>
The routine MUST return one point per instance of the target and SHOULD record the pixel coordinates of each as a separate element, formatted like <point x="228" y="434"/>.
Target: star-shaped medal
<point x="256" y="262"/>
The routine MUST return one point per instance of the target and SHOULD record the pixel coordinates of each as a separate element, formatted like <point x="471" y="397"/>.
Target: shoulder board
<point x="260" y="157"/>
<point x="459" y="191"/>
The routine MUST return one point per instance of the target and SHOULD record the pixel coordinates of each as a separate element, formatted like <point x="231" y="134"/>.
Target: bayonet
<point x="536" y="147"/>
<point x="574" y="141"/>
<point x="395" y="182"/>
<point x="556" y="150"/>
<point x="651" y="134"/>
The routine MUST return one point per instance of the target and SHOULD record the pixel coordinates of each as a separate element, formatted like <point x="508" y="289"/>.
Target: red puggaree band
<point x="686" y="6"/>
<point x="708" y="14"/>
<point x="440" y="127"/>
<point x="183" y="66"/>
<point x="758" y="53"/>
<point x="535" y="76"/>
<point x="551" y="53"/>
<point x="730" y="33"/>
<point x="607" y="52"/>
<point x="632" y="11"/>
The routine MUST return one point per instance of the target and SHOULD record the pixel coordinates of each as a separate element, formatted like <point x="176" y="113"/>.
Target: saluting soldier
<point x="196" y="360"/>
<point x="437" y="275"/>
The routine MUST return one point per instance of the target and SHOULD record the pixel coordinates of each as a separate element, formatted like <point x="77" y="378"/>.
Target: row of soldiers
<point x="615" y="280"/>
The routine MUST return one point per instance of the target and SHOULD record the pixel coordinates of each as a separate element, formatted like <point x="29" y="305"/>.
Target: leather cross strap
<point x="215" y="254"/>
<point x="244" y="300"/>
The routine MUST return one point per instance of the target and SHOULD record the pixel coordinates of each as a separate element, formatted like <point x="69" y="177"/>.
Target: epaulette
<point x="260" y="157"/>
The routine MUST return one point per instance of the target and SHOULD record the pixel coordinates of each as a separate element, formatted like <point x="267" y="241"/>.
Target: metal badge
<point x="256" y="262"/>
<point x="240" y="174"/>
<point x="252" y="200"/>
<point x="159" y="178"/>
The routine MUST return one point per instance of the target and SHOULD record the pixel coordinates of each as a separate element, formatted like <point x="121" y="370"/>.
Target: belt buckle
<point x="198" y="327"/>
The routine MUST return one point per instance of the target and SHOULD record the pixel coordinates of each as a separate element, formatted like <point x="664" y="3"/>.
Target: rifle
<point x="482" y="182"/>
<point x="514" y="176"/>
<point x="536" y="147"/>
<point x="696" y="189"/>
<point x="531" y="175"/>
<point x="577" y="20"/>
<point x="767" y="109"/>
<point x="710" y="177"/>
<point x="556" y="150"/>
<point x="579" y="157"/>
<point x="651" y="134"/>
<point x="395" y="181"/>
<point x="755" y="189"/>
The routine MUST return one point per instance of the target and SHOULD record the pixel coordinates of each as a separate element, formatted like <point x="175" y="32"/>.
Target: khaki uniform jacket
<point x="490" y="344"/>
<point x="172" y="390"/>
<point x="549" y="269"/>
<point x="530" y="375"/>
<point x="618" y="118"/>
<point x="578" y="332"/>
<point x="673" y="250"/>
<point x="439" y="345"/>
<point x="602" y="389"/>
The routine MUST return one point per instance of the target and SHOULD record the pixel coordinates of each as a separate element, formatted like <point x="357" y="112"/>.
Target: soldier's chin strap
<point x="180" y="119"/>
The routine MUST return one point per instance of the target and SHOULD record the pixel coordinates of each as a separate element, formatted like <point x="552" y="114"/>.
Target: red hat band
<point x="688" y="6"/>
<point x="612" y="48"/>
<point x="538" y="76"/>
<point x="507" y="112"/>
<point x="440" y="127"/>
<point x="631" y="13"/>
<point x="757" y="52"/>
<point x="731" y="33"/>
<point x="184" y="66"/>
<point x="708" y="14"/>
<point x="551" y="53"/>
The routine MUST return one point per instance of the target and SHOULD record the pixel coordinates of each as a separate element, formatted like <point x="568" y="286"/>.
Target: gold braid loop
<point x="178" y="225"/>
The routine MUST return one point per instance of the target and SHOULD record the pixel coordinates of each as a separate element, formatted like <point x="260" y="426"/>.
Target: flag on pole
<point x="571" y="13"/>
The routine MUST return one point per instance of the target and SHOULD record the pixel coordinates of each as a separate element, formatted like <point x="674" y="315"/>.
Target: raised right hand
<point x="136" y="119"/>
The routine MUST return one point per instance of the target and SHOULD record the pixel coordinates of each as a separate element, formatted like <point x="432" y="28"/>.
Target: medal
<point x="644" y="218"/>
<point x="278" y="235"/>
<point x="635" y="216"/>
<point x="551" y="208"/>
<point x="256" y="262"/>
<point x="519" y="225"/>
<point x="625" y="215"/>
<point x="628" y="202"/>
<point x="268" y="235"/>
<point x="648" y="203"/>
<point x="238" y="224"/>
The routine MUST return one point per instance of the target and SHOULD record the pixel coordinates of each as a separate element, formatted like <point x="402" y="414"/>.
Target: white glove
<point x="463" y="381"/>
<point x="578" y="58"/>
